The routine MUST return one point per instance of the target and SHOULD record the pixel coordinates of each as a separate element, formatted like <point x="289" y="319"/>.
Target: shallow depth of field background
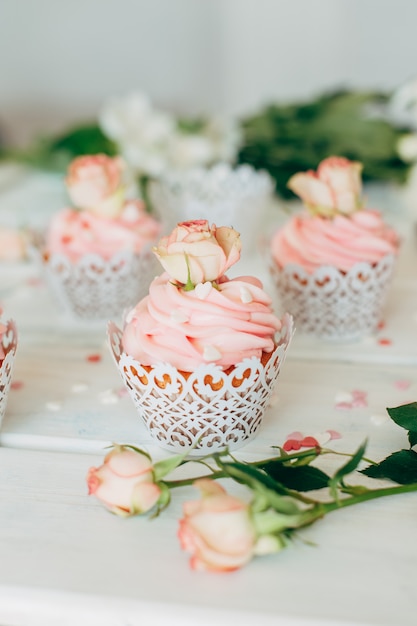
<point x="60" y="60"/>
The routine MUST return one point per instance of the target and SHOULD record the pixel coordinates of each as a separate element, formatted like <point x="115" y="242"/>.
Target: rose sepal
<point x="164" y="467"/>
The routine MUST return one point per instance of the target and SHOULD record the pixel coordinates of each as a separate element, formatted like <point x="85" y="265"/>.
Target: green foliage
<point x="285" y="139"/>
<point x="406" y="417"/>
<point x="400" y="467"/>
<point x="350" y="466"/>
<point x="55" y="153"/>
<point x="305" y="478"/>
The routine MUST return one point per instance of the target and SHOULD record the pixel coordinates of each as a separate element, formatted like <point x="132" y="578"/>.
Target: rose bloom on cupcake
<point x="103" y="221"/>
<point x="327" y="241"/>
<point x="200" y="354"/>
<point x="97" y="253"/>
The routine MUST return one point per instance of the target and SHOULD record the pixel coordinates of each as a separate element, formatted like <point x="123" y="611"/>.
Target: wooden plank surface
<point x="66" y="561"/>
<point x="56" y="542"/>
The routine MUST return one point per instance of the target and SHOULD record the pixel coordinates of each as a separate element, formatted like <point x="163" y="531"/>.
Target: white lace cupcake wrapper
<point x="96" y="289"/>
<point x="335" y="305"/>
<point x="9" y="344"/>
<point x="189" y="412"/>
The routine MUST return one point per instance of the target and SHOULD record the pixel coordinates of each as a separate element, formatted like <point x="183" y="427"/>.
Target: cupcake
<point x="97" y="254"/>
<point x="332" y="262"/>
<point x="200" y="354"/>
<point x="8" y="345"/>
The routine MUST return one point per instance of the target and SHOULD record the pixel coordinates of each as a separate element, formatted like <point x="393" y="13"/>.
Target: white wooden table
<point x="64" y="560"/>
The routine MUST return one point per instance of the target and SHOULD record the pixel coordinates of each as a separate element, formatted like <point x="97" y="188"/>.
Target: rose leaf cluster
<point x="222" y="532"/>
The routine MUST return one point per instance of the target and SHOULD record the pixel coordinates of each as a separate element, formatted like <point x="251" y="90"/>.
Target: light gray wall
<point x="59" y="60"/>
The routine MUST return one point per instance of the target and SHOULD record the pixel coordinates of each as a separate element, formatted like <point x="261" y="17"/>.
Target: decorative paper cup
<point x="207" y="410"/>
<point x="9" y="345"/>
<point x="332" y="304"/>
<point x="97" y="289"/>
<point x="221" y="194"/>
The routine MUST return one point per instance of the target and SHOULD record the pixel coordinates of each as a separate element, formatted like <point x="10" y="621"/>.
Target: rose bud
<point x="125" y="482"/>
<point x="95" y="183"/>
<point x="217" y="530"/>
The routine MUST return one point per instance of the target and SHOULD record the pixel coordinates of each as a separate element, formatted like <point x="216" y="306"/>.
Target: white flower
<point x="407" y="148"/>
<point x="190" y="150"/>
<point x="142" y="133"/>
<point x="151" y="141"/>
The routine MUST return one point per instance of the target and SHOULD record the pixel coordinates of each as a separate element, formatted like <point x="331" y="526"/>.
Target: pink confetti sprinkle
<point x="343" y="406"/>
<point x="16" y="385"/>
<point x="310" y="442"/>
<point x="381" y="325"/>
<point x="94" y="358"/>
<point x="295" y="435"/>
<point x="297" y="440"/>
<point x="292" y="444"/>
<point x="122" y="392"/>
<point x="384" y="341"/>
<point x="402" y="384"/>
<point x="334" y="434"/>
<point x="359" y="399"/>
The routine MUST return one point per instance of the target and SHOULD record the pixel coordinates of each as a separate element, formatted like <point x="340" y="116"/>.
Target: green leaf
<point x="249" y="475"/>
<point x="163" y="501"/>
<point x="405" y="416"/>
<point x="267" y="491"/>
<point x="191" y="126"/>
<point x="346" y="469"/>
<point x="412" y="438"/>
<point x="136" y="449"/>
<point x="164" y="467"/>
<point x="86" y="139"/>
<point x="301" y="478"/>
<point x="400" y="467"/>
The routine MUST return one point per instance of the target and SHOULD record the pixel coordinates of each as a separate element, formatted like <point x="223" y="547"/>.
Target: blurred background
<point x="61" y="60"/>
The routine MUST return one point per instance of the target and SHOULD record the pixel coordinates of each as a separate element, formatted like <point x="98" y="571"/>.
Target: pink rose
<point x="95" y="183"/>
<point x="125" y="482"/>
<point x="217" y="530"/>
<point x="196" y="253"/>
<point x="336" y="187"/>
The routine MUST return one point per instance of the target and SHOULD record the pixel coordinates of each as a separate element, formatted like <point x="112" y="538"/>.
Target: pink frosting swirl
<point x="312" y="241"/>
<point x="222" y="324"/>
<point x="75" y="233"/>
